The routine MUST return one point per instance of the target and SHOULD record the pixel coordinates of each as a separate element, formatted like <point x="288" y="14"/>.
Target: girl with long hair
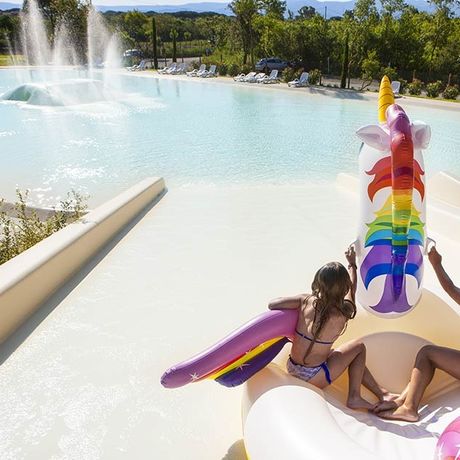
<point x="323" y="317"/>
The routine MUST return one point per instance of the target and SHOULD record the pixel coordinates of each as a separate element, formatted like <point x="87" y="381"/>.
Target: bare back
<point x="321" y="349"/>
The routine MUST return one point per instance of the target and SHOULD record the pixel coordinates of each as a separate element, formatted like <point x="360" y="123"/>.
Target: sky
<point x="157" y="2"/>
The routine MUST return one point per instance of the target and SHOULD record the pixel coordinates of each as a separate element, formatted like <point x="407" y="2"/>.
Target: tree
<point x="274" y="8"/>
<point x="246" y="11"/>
<point x="370" y="69"/>
<point x="173" y="35"/>
<point x="345" y="63"/>
<point x="134" y="25"/>
<point x="306" y="12"/>
<point x="154" y="43"/>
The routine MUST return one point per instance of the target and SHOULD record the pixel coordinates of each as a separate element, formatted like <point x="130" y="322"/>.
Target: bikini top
<point x="311" y="340"/>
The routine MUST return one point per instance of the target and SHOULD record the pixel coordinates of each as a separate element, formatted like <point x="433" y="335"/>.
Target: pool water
<point x="190" y="132"/>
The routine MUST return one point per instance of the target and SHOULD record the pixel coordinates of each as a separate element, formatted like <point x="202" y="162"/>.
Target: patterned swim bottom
<point x="307" y="373"/>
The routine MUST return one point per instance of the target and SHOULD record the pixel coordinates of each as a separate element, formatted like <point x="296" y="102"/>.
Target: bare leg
<point x="371" y="384"/>
<point x="428" y="359"/>
<point x="351" y="355"/>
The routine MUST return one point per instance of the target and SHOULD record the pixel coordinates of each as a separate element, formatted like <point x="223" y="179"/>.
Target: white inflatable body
<point x="286" y="418"/>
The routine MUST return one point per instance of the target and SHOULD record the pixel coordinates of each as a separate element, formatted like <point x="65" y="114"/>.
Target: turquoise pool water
<point x="190" y="133"/>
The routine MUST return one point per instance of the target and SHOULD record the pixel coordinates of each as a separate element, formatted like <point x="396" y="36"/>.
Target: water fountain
<point x="46" y="85"/>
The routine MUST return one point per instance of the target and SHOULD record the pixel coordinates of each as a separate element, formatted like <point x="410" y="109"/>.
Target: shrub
<point x="313" y="76"/>
<point x="390" y="72"/>
<point x="289" y="74"/>
<point x="415" y="88"/>
<point x="195" y="65"/>
<point x="223" y="69"/>
<point x="26" y="229"/>
<point x="451" y="92"/>
<point x="246" y="68"/>
<point x="403" y="87"/>
<point x="433" y="89"/>
<point x="233" y="70"/>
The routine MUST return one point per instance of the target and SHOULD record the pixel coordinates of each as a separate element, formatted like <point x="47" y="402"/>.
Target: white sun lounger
<point x="396" y="86"/>
<point x="272" y="78"/>
<point x="140" y="66"/>
<point x="168" y="69"/>
<point x="210" y="73"/>
<point x="299" y="82"/>
<point x="240" y="77"/>
<point x="256" y="78"/>
<point x="249" y="76"/>
<point x="179" y="69"/>
<point x="194" y="72"/>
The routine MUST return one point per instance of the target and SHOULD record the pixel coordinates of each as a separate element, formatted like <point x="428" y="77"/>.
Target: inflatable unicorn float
<point x="284" y="417"/>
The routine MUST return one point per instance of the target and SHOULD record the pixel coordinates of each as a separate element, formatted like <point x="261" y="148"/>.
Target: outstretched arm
<point x="287" y="303"/>
<point x="350" y="255"/>
<point x="447" y="284"/>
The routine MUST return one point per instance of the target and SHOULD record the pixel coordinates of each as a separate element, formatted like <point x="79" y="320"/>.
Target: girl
<point x="323" y="317"/>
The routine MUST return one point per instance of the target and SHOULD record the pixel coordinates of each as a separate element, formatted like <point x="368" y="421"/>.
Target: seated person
<point x="323" y="317"/>
<point x="429" y="358"/>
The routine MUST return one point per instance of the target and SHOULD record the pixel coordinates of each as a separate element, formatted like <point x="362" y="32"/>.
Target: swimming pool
<point x="191" y="133"/>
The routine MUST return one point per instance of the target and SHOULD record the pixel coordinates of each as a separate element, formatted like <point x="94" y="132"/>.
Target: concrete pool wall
<point x="27" y="280"/>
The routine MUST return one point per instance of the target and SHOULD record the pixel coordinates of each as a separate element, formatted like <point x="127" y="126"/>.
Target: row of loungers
<point x="254" y="77"/>
<point x="181" y="69"/>
<point x="202" y="72"/>
<point x="174" y="69"/>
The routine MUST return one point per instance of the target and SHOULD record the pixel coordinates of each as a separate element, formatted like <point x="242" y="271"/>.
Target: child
<point x="323" y="317"/>
<point x="429" y="358"/>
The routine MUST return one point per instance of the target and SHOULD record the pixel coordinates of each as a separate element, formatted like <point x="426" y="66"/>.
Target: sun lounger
<point x="168" y="69"/>
<point x="194" y="72"/>
<point x="240" y="77"/>
<point x="249" y="76"/>
<point x="140" y="66"/>
<point x="180" y="69"/>
<point x="396" y="86"/>
<point x="256" y="78"/>
<point x="299" y="82"/>
<point x="272" y="78"/>
<point x="210" y="73"/>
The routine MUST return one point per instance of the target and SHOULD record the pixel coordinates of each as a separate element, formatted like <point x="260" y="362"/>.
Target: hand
<point x="434" y="257"/>
<point x="350" y="255"/>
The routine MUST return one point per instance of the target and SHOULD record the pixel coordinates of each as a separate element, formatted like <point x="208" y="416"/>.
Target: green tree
<point x="306" y="12"/>
<point x="134" y="26"/>
<point x="154" y="43"/>
<point x="345" y="63"/>
<point x="246" y="11"/>
<point x="173" y="35"/>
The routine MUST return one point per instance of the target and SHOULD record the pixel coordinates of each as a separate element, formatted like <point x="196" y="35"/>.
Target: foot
<point x="387" y="396"/>
<point x="385" y="406"/>
<point x="400" y="413"/>
<point x="359" y="403"/>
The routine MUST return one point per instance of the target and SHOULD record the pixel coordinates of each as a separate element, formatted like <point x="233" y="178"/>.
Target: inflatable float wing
<point x="392" y="190"/>
<point x="238" y="356"/>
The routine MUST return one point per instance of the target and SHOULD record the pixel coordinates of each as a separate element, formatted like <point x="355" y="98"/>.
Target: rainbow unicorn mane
<point x="393" y="241"/>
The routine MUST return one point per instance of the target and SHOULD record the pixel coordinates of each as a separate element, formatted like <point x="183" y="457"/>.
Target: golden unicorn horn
<point x="386" y="98"/>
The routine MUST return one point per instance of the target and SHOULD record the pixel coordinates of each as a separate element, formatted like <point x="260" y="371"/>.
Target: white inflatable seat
<point x="284" y="417"/>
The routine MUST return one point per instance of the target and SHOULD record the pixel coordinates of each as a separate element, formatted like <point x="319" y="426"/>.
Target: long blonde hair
<point x="329" y="287"/>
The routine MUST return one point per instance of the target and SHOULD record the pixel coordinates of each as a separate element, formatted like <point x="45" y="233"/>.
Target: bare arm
<point x="287" y="303"/>
<point x="352" y="269"/>
<point x="444" y="279"/>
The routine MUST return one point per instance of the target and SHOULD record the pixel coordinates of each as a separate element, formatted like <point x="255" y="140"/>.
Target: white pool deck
<point x="81" y="379"/>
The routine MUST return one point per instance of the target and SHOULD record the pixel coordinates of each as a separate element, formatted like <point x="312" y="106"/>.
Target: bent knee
<point x="426" y="352"/>
<point x="359" y="346"/>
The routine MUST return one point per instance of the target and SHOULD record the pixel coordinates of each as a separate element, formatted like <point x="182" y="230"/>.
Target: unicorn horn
<point x="386" y="98"/>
